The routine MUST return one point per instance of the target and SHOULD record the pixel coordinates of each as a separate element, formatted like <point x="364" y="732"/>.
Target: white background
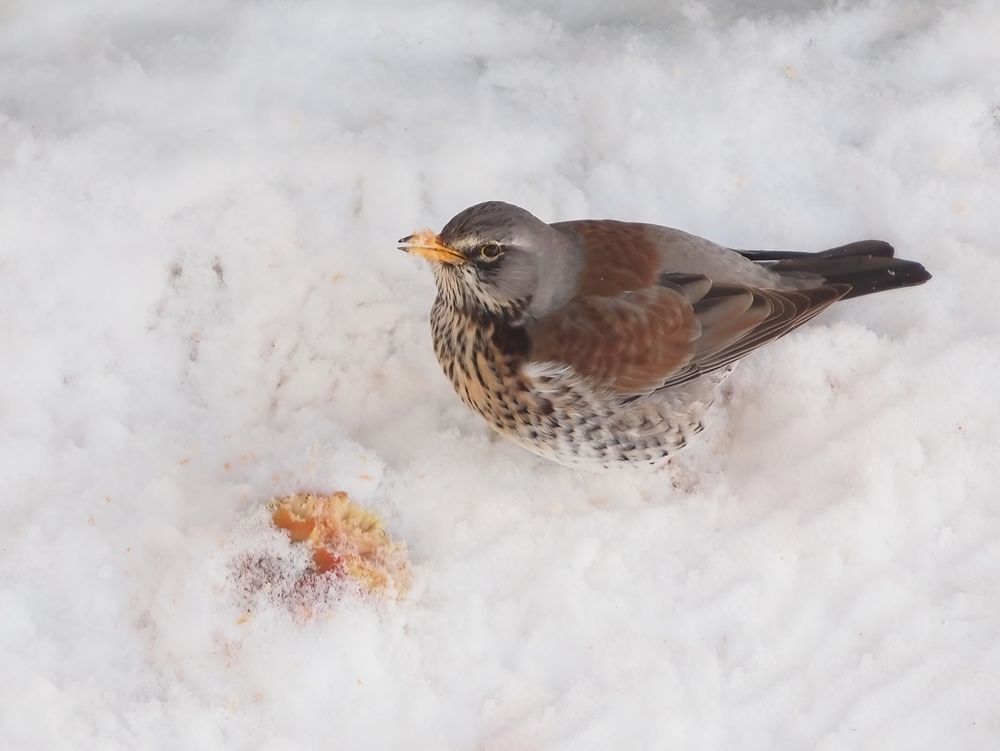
<point x="202" y="306"/>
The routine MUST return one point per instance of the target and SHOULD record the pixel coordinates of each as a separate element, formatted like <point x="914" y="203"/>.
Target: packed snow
<point x="202" y="308"/>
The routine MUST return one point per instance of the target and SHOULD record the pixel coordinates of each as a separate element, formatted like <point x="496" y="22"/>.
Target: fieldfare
<point x="599" y="342"/>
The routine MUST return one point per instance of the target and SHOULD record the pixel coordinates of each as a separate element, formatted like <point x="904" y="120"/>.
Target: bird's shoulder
<point x="617" y="256"/>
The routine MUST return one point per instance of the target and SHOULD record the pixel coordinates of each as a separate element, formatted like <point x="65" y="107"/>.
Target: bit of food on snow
<point x="347" y="541"/>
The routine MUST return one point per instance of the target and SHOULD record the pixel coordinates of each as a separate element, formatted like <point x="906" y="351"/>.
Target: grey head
<point x="502" y="258"/>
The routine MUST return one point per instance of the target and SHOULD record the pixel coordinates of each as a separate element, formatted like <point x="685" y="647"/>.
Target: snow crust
<point x="202" y="307"/>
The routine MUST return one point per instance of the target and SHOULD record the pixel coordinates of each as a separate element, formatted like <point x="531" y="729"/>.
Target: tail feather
<point x="878" y="248"/>
<point x="860" y="248"/>
<point x="866" y="267"/>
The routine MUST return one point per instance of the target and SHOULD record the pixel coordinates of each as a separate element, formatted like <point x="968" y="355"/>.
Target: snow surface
<point x="203" y="307"/>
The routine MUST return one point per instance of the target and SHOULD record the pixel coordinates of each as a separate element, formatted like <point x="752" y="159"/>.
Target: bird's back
<point x="624" y="256"/>
<point x="637" y="253"/>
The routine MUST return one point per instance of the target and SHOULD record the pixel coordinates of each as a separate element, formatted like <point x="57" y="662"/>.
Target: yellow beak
<point x="427" y="245"/>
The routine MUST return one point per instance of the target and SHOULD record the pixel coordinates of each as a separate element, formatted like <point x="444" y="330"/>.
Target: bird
<point x="597" y="342"/>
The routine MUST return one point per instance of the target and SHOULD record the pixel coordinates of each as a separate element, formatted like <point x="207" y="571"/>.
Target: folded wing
<point x="640" y="341"/>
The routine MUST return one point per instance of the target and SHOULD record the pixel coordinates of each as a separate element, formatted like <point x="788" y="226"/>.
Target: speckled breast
<point x="486" y="372"/>
<point x="553" y="413"/>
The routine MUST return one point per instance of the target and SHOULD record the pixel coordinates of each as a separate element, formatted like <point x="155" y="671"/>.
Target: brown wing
<point x="639" y="341"/>
<point x="628" y="343"/>
<point x="728" y="332"/>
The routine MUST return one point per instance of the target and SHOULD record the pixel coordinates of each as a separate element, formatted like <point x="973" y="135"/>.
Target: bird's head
<point x="499" y="259"/>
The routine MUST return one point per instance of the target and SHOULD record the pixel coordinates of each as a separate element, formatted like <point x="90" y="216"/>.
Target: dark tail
<point x="867" y="266"/>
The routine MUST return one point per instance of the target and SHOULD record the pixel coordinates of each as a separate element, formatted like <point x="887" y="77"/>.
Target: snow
<point x="202" y="307"/>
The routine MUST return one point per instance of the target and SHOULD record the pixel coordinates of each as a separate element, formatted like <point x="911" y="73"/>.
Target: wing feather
<point x="644" y="340"/>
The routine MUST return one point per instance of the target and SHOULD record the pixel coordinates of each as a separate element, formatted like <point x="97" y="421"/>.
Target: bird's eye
<point x="490" y="251"/>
